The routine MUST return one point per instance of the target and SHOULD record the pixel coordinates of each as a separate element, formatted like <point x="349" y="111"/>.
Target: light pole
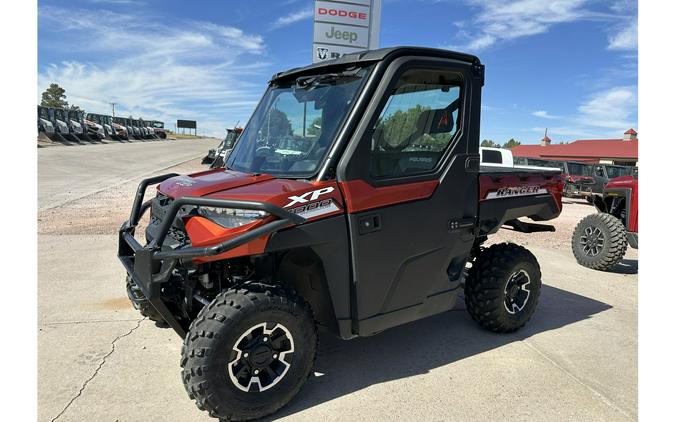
<point x="113" y="106"/>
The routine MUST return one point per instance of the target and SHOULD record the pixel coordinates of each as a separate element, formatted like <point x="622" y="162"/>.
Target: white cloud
<point x="544" y="114"/>
<point x="604" y="114"/>
<point x="615" y="108"/>
<point x="504" y="21"/>
<point x="292" y="18"/>
<point x="626" y="38"/>
<point x="192" y="70"/>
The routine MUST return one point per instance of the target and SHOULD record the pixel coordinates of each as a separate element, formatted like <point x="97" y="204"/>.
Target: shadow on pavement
<point x="418" y="347"/>
<point x="626" y="266"/>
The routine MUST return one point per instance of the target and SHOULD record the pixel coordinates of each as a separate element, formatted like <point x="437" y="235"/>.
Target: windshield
<point x="231" y="136"/>
<point x="613" y="172"/>
<point x="577" y="169"/>
<point x="295" y="123"/>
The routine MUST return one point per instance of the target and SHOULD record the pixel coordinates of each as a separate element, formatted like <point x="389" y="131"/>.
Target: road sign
<point x="345" y="26"/>
<point x="187" y="124"/>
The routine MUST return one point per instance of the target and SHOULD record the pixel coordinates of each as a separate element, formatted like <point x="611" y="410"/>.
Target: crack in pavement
<point x="94" y="321"/>
<point x="100" y="365"/>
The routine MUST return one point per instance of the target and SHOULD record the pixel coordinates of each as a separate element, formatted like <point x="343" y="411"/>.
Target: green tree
<point x="511" y="143"/>
<point x="54" y="96"/>
<point x="277" y="125"/>
<point x="488" y="143"/>
<point x="399" y="126"/>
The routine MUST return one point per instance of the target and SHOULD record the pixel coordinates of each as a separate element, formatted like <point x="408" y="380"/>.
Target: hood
<point x="207" y="182"/>
<point x="230" y="184"/>
<point x="94" y="124"/>
<point x="622" y="181"/>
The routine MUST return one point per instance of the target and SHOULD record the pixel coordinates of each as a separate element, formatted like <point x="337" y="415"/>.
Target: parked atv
<point x="216" y="156"/>
<point x="44" y="121"/>
<point x="600" y="240"/>
<point x="121" y="130"/>
<point x="106" y="124"/>
<point x="357" y="231"/>
<point x="127" y="126"/>
<point x="78" y="126"/>
<point x="66" y="129"/>
<point x="159" y="128"/>
<point x="94" y="128"/>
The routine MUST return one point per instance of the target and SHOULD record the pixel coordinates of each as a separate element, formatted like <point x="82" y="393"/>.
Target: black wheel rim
<point x="592" y="241"/>
<point x="517" y="292"/>
<point x="261" y="357"/>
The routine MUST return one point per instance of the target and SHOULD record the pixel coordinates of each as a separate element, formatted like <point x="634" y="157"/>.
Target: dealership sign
<point x="343" y="27"/>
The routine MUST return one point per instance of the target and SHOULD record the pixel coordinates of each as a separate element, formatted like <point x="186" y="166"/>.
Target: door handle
<point x="369" y="223"/>
<point x="464" y="223"/>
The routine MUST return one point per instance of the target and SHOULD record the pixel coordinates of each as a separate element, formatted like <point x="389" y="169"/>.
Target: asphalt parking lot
<point x="98" y="360"/>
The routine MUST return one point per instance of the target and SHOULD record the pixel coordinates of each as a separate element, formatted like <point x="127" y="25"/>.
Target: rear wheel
<point x="249" y="352"/>
<point x="599" y="241"/>
<point x="502" y="287"/>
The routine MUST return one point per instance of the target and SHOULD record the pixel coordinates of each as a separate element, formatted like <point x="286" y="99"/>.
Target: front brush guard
<point x="151" y="265"/>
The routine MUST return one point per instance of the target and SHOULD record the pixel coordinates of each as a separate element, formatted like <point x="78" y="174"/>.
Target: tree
<point x="488" y="143"/>
<point x="511" y="143"/>
<point x="54" y="96"/>
<point x="277" y="125"/>
<point x="399" y="126"/>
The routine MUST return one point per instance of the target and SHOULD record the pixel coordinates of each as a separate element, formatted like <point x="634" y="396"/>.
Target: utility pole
<point x="113" y="106"/>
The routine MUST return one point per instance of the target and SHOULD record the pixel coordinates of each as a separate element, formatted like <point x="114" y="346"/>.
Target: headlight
<point x="231" y="218"/>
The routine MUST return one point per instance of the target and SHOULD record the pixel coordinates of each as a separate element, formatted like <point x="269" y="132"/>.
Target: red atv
<point x="600" y="240"/>
<point x="353" y="200"/>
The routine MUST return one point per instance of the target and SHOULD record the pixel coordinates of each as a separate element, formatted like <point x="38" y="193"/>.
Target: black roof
<point x="370" y="56"/>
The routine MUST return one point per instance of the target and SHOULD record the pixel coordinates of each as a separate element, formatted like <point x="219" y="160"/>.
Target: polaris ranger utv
<point x="376" y="221"/>
<point x="159" y="128"/>
<point x="216" y="156"/>
<point x="131" y="132"/>
<point x="600" y="240"/>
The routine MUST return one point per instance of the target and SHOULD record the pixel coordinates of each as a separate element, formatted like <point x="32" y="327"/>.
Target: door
<point x="411" y="190"/>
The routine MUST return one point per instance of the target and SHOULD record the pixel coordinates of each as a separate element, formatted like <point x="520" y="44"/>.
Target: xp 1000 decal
<point x="313" y="209"/>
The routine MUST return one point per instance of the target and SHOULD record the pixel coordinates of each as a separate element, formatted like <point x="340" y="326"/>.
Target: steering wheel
<point x="264" y="151"/>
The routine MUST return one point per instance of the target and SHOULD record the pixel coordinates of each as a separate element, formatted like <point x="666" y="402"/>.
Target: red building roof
<point x="581" y="150"/>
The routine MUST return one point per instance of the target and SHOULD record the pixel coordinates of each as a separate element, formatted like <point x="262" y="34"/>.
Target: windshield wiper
<point x="311" y="81"/>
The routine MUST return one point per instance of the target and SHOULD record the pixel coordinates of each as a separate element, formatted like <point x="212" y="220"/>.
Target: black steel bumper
<point x="151" y="265"/>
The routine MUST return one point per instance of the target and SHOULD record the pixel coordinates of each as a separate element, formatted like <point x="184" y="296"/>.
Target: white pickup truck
<point x="501" y="157"/>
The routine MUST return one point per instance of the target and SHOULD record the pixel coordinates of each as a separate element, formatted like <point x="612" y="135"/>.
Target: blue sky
<point x="566" y="65"/>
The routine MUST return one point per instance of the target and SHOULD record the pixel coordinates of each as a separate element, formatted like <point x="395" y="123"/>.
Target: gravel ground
<point x="573" y="211"/>
<point x="103" y="212"/>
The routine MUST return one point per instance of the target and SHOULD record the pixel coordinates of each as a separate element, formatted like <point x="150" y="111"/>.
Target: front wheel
<point x="141" y="303"/>
<point x="502" y="287"/>
<point x="249" y="351"/>
<point x="599" y="241"/>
